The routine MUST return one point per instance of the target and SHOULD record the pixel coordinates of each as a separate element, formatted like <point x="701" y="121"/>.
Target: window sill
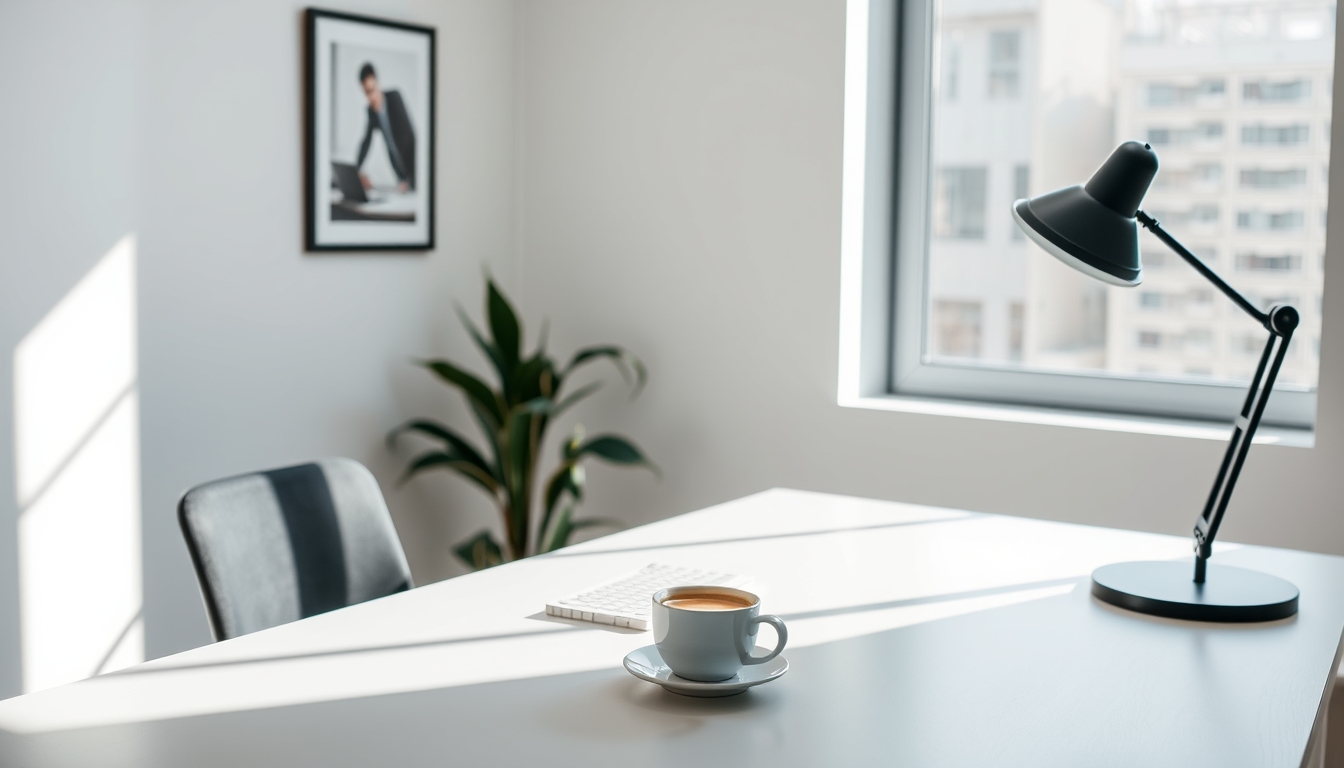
<point x="1023" y="414"/>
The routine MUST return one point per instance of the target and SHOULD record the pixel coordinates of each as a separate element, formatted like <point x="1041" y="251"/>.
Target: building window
<point x="1198" y="341"/>
<point x="1259" y="262"/>
<point x="1276" y="91"/>
<point x="1270" y="221"/>
<point x="1273" y="178"/>
<point x="1248" y="343"/>
<point x="1260" y="134"/>
<point x="957" y="329"/>
<point x="1005" y="54"/>
<point x="959" y="209"/>
<point x="1203" y="92"/>
<point x="1203" y="177"/>
<point x="1199" y="215"/>
<point x="1150" y="340"/>
<point x="1150" y="300"/>
<point x="952" y="71"/>
<point x="1206" y="132"/>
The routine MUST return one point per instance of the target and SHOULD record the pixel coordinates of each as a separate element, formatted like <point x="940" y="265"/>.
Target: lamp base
<point x="1167" y="588"/>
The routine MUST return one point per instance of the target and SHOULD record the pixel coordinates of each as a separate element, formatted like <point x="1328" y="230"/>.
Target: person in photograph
<point x="387" y="113"/>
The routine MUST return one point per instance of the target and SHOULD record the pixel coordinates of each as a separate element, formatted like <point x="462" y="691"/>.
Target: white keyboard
<point x="626" y="602"/>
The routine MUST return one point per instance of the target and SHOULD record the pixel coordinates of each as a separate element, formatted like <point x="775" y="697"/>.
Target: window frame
<point x="911" y="371"/>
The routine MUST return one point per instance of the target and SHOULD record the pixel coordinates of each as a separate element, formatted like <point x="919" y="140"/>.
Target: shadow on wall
<point x="77" y="463"/>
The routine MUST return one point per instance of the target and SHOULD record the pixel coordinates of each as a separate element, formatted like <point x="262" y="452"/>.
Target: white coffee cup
<point x="707" y="634"/>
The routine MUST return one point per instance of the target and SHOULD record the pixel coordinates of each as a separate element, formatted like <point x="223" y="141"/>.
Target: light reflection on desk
<point x="485" y="627"/>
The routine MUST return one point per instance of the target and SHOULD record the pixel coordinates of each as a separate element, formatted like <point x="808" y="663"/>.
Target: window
<point x="1206" y="132"/>
<point x="957" y="329"/>
<point x="1266" y="221"/>
<point x="1259" y="262"/>
<point x="980" y="313"/>
<point x="1276" y="92"/>
<point x="1273" y="178"/>
<point x="1195" y="177"/>
<point x="1198" y="341"/>
<point x="1207" y="91"/>
<point x="1259" y="134"/>
<point x="1198" y="216"/>
<point x="1248" y="343"/>
<point x="960" y="204"/>
<point x="952" y="72"/>
<point x="1004" y="62"/>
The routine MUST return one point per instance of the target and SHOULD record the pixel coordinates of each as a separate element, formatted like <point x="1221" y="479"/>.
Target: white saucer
<point x="646" y="664"/>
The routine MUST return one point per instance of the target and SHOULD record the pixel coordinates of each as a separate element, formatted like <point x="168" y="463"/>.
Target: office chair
<point x="277" y="546"/>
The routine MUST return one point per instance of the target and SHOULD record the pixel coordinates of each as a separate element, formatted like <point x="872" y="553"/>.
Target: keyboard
<point x="626" y="602"/>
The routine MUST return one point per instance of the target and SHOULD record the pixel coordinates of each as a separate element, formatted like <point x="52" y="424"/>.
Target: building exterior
<point x="1031" y="95"/>
<point x="1235" y="98"/>
<point x="985" y="92"/>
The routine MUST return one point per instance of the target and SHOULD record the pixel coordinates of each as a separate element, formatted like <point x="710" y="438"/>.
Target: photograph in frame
<point x="369" y="134"/>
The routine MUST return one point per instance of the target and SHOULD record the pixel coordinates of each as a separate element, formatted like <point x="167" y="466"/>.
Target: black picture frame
<point x="334" y="221"/>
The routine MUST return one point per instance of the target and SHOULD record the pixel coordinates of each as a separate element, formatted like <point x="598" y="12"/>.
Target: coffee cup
<point x="707" y="634"/>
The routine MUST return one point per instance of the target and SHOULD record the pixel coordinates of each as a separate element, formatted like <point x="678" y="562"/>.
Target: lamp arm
<point x="1281" y="320"/>
<point x="1241" y="301"/>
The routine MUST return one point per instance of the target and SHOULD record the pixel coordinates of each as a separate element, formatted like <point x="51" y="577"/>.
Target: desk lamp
<point x="1093" y="229"/>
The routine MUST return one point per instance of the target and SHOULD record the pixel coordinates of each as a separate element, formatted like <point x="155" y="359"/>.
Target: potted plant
<point x="513" y="418"/>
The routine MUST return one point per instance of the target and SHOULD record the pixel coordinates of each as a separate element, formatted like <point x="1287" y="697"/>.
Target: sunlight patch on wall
<point x="77" y="462"/>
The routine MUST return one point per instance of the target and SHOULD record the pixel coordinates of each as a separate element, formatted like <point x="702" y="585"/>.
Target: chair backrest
<point x="277" y="546"/>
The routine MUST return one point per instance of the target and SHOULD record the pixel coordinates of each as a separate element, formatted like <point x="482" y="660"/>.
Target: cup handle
<point x="783" y="632"/>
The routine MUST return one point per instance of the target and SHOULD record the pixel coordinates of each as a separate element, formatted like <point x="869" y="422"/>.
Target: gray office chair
<point x="277" y="546"/>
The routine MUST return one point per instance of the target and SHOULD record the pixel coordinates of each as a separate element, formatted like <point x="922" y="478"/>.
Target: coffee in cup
<point x="708" y="633"/>
<point x="706" y="601"/>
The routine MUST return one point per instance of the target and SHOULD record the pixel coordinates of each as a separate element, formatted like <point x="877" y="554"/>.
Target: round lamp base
<point x="1167" y="588"/>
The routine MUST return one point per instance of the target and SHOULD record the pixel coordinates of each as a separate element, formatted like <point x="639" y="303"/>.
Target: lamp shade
<point x="1092" y="228"/>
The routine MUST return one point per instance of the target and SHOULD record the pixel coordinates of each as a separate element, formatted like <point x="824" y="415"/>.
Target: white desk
<point x="920" y="636"/>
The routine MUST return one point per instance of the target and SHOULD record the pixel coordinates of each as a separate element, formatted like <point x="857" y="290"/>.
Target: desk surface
<point x="919" y="636"/>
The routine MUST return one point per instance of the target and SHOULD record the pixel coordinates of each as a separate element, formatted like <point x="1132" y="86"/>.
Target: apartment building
<point x="984" y="97"/>
<point x="1235" y="98"/>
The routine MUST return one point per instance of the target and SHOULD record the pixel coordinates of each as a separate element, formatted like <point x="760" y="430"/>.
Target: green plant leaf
<point x="487" y="349"/>
<point x="559" y="531"/>
<point x="548" y="407"/>
<point x="456" y="445"/>
<point x="527" y="380"/>
<point x="574" y="397"/>
<point x="504" y="327"/>
<point x="520" y="442"/>
<point x="480" y="551"/>
<point x="627" y="364"/>
<point x="448" y="460"/>
<point x="593" y="522"/>
<point x="612" y="448"/>
<point x="569" y="478"/>
<point x="543" y="336"/>
<point x="472" y="387"/>
<point x="566" y="525"/>
<point x="521" y="438"/>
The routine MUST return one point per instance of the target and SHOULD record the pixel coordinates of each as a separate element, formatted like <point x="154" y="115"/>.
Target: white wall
<point x="680" y="193"/>
<point x="180" y="123"/>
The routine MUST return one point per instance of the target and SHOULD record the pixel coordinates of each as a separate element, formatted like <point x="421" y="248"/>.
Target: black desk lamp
<point x="1092" y="229"/>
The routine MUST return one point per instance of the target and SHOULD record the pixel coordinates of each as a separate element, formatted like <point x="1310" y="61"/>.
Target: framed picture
<point x="369" y="125"/>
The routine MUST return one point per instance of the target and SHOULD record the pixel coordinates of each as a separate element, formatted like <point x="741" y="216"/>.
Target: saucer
<point x="646" y="664"/>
